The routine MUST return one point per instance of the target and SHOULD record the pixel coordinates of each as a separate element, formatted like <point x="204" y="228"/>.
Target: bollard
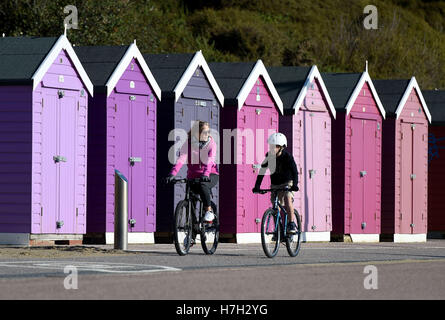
<point x="120" y="211"/>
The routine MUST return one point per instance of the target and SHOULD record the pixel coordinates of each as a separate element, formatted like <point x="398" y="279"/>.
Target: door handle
<point x="312" y="172"/>
<point x="59" y="159"/>
<point x="133" y="160"/>
<point x="363" y="173"/>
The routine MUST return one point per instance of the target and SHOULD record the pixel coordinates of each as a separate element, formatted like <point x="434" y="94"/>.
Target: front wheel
<point x="183" y="228"/>
<point x="270" y="233"/>
<point x="293" y="241"/>
<point x="210" y="234"/>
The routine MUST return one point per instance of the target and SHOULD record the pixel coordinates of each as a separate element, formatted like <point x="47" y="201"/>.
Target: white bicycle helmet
<point x="277" y="139"/>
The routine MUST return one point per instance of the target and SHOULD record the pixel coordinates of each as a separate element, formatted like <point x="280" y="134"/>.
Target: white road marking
<point x="104" y="267"/>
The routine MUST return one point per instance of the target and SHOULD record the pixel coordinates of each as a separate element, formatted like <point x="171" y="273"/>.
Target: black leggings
<point x="203" y="189"/>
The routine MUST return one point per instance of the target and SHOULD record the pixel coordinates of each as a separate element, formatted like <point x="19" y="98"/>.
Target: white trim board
<point x="413" y="84"/>
<point x="198" y="61"/>
<point x="370" y="237"/>
<point x="324" y="236"/>
<point x="314" y="73"/>
<point x="421" y="237"/>
<point x="132" y="52"/>
<point x="248" y="238"/>
<point x="258" y="70"/>
<point x="61" y="44"/>
<point x="365" y="78"/>
<point x="133" y="237"/>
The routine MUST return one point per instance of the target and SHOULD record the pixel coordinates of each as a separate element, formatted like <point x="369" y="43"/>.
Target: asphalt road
<point x="320" y="271"/>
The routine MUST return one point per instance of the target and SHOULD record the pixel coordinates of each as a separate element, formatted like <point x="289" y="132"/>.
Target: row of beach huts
<point x="370" y="153"/>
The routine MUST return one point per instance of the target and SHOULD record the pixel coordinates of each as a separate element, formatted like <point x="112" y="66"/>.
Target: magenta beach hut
<point x="252" y="106"/>
<point x="356" y="156"/>
<point x="308" y="115"/>
<point x="435" y="100"/>
<point x="43" y="141"/>
<point x="189" y="93"/>
<point x="404" y="161"/>
<point x="122" y="136"/>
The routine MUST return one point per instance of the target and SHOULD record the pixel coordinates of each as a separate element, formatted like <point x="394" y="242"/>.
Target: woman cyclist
<point x="199" y="151"/>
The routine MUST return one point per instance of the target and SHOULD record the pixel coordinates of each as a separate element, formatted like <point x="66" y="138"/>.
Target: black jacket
<point x="285" y="170"/>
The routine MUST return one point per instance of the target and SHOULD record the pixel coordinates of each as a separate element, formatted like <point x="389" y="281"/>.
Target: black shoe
<point x="292" y="228"/>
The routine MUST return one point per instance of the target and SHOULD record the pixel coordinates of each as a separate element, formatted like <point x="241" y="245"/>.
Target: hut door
<point x="59" y="118"/>
<point x="412" y="215"/>
<point x="317" y="172"/>
<point x="363" y="176"/>
<point x="131" y="155"/>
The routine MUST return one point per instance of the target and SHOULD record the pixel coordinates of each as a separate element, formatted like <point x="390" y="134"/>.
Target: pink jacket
<point x="197" y="166"/>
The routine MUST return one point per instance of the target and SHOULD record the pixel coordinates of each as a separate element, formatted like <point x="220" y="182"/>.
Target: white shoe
<point x="209" y="216"/>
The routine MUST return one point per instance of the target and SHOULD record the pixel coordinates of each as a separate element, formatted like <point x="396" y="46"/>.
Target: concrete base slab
<point x="421" y="237"/>
<point x="248" y="238"/>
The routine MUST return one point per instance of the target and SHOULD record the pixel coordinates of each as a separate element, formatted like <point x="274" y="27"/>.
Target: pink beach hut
<point x="308" y="114"/>
<point x="404" y="161"/>
<point x="356" y="156"/>
<point x="251" y="105"/>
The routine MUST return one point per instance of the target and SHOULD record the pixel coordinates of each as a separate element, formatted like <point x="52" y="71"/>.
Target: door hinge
<point x="78" y="105"/>
<point x="77" y="212"/>
<point x="271" y="121"/>
<point x="148" y="110"/>
<point x="182" y="112"/>
<point x="211" y="114"/>
<point x="148" y="211"/>
<point x="115" y="107"/>
<point x="401" y="135"/>
<point x="42" y="103"/>
<point x="41" y="211"/>
<point x="351" y="132"/>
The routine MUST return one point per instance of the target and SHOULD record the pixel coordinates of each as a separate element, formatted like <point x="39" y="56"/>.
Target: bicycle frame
<point x="280" y="209"/>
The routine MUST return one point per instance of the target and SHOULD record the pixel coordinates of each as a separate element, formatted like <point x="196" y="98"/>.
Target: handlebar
<point x="263" y="191"/>
<point x="185" y="180"/>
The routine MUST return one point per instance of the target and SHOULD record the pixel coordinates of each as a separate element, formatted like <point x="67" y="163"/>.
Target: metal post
<point x="120" y="211"/>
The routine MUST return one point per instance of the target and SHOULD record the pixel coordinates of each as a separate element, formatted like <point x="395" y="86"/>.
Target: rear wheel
<point x="270" y="233"/>
<point x="210" y="234"/>
<point x="293" y="241"/>
<point x="182" y="228"/>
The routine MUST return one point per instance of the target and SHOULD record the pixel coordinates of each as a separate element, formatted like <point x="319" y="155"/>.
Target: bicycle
<point x="274" y="227"/>
<point x="187" y="225"/>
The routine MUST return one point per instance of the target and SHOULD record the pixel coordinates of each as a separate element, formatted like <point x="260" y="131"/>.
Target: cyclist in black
<point x="284" y="173"/>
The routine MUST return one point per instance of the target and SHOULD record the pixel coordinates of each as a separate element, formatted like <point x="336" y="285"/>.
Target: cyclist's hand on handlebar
<point x="294" y="188"/>
<point x="205" y="179"/>
<point x="169" y="179"/>
<point x="256" y="190"/>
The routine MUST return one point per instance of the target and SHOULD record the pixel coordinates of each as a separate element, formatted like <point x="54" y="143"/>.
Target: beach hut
<point x="189" y="93"/>
<point x="435" y="100"/>
<point x="404" y="161"/>
<point x="308" y="115"/>
<point x="251" y="110"/>
<point x="43" y="141"/>
<point x="122" y="136"/>
<point x="356" y="156"/>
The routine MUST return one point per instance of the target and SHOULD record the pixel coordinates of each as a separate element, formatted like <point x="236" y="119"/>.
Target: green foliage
<point x="409" y="39"/>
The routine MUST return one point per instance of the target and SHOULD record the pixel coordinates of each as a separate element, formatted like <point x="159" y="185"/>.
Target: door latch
<point x="412" y="225"/>
<point x="257" y="220"/>
<point x="132" y="222"/>
<point x="363" y="173"/>
<point x="133" y="160"/>
<point x="59" y="224"/>
<point x="413" y="176"/>
<point x="59" y="159"/>
<point x="363" y="225"/>
<point x="312" y="172"/>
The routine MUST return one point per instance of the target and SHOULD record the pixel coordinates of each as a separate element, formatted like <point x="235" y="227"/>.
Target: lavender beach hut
<point x="122" y="136"/>
<point x="189" y="93"/>
<point x="43" y="141"/>
<point x="307" y="120"/>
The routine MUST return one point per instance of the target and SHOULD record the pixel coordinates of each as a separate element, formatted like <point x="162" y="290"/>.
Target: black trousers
<point x="203" y="189"/>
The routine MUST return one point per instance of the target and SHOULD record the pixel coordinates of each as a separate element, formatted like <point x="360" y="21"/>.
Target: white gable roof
<point x="198" y="61"/>
<point x="258" y="70"/>
<point x="413" y="84"/>
<point x="314" y="73"/>
<point x="365" y="78"/>
<point x="132" y="52"/>
<point x="61" y="44"/>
